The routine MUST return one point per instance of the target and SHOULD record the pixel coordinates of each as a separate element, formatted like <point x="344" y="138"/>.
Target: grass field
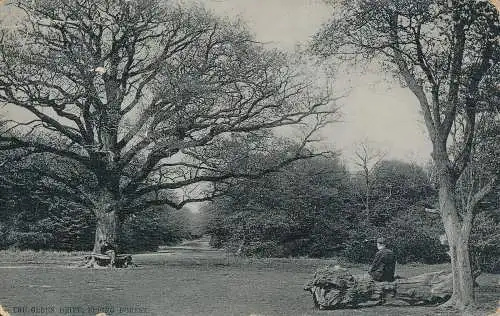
<point x="185" y="282"/>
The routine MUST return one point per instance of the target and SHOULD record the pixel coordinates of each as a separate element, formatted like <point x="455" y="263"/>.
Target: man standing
<point x="383" y="265"/>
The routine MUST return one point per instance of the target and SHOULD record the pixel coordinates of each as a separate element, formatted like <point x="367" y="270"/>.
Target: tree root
<point x="449" y="304"/>
<point x="100" y="261"/>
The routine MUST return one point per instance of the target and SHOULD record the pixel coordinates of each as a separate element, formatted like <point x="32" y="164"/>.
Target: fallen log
<point x="336" y="288"/>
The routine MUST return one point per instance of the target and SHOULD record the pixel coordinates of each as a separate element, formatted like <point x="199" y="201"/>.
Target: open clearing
<point x="184" y="281"/>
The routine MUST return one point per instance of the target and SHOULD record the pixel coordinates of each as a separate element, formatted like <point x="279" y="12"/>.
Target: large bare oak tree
<point x="145" y="98"/>
<point x="446" y="52"/>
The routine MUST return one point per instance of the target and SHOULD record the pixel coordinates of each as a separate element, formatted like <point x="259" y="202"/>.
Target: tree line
<point x="316" y="208"/>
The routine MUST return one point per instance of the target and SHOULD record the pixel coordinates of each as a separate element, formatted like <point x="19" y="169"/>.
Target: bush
<point x="360" y="246"/>
<point x="485" y="243"/>
<point x="29" y="240"/>
<point x="302" y="247"/>
<point x="72" y="226"/>
<point x="265" y="249"/>
<point x="3" y="235"/>
<point x="413" y="236"/>
<point x="148" y="230"/>
<point x="416" y="246"/>
<point x="301" y="208"/>
<point x="416" y="239"/>
<point x="58" y="225"/>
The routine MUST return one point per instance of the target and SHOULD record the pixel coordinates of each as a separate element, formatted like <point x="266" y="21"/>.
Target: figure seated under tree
<point x="335" y="287"/>
<point x="108" y="258"/>
<point x="384" y="263"/>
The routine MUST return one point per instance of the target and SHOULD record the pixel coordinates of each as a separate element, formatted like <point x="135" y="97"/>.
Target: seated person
<point x="383" y="265"/>
<point x="109" y="249"/>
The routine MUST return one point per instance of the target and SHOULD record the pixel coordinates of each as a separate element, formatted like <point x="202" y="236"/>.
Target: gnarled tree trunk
<point x="106" y="242"/>
<point x="106" y="204"/>
<point x="106" y="231"/>
<point x="106" y="212"/>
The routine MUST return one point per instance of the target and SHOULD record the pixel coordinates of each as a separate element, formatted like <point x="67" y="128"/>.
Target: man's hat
<point x="381" y="240"/>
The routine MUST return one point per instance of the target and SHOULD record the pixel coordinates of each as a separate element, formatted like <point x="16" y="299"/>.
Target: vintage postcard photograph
<point x="249" y="157"/>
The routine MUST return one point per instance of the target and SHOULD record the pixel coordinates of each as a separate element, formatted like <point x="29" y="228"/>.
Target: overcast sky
<point x="375" y="109"/>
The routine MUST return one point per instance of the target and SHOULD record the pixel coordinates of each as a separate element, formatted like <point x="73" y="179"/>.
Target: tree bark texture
<point x="106" y="243"/>
<point x="106" y="232"/>
<point x="457" y="232"/>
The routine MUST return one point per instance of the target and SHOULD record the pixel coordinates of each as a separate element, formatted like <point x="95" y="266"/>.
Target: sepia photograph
<point x="249" y="157"/>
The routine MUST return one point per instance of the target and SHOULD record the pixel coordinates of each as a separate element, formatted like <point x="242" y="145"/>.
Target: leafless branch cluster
<point x="140" y="93"/>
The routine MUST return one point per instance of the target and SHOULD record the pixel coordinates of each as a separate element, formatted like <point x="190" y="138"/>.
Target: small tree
<point x="142" y="99"/>
<point x="367" y="159"/>
<point x="446" y="52"/>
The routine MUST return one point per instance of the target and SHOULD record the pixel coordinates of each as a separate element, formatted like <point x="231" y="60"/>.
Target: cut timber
<point x="336" y="288"/>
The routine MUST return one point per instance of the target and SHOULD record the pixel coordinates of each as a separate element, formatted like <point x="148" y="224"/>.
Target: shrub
<point x="485" y="243"/>
<point x="298" y="208"/>
<point x="55" y="225"/>
<point x="413" y="236"/>
<point x="360" y="246"/>
<point x="72" y="226"/>
<point x="414" y="245"/>
<point x="147" y="230"/>
<point x="29" y="240"/>
<point x="265" y="249"/>
<point x="3" y="235"/>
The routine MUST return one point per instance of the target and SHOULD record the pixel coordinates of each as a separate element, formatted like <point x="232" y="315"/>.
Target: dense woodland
<point x="316" y="208"/>
<point x="33" y="217"/>
<point x="311" y="208"/>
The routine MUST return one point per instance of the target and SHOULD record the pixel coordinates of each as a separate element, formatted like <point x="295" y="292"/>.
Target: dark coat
<point x="383" y="266"/>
